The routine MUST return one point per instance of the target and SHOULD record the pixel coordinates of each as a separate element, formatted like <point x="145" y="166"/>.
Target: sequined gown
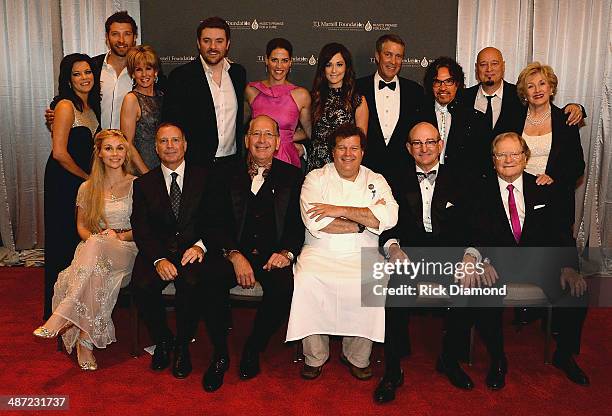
<point x="86" y="292"/>
<point x="334" y="115"/>
<point x="146" y="127"/>
<point x="60" y="191"/>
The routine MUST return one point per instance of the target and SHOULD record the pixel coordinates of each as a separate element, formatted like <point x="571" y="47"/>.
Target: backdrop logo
<point x="244" y="24"/>
<point x="337" y="25"/>
<point x="173" y="59"/>
<point x="295" y="60"/>
<point x="412" y="62"/>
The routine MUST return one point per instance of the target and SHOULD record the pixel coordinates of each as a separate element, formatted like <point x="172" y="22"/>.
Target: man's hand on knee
<point x="243" y="270"/>
<point x="192" y="254"/>
<point x="166" y="270"/>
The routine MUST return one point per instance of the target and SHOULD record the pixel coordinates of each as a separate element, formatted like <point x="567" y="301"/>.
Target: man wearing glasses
<point x="443" y="81"/>
<point x="429" y="197"/>
<point x="519" y="226"/>
<point x="257" y="227"/>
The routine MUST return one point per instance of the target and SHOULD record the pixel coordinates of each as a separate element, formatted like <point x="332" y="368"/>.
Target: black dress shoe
<point x="249" y="364"/>
<point x="569" y="366"/>
<point x="496" y="377"/>
<point x="181" y="366"/>
<point x="213" y="378"/>
<point x="385" y="392"/>
<point x="161" y="356"/>
<point x="454" y="373"/>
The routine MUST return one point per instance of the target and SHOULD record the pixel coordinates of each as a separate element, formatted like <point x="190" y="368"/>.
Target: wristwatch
<point x="288" y="254"/>
<point x="361" y="228"/>
<point x="228" y="253"/>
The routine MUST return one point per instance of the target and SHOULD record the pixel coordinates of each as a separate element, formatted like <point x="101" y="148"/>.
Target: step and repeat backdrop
<point x="429" y="30"/>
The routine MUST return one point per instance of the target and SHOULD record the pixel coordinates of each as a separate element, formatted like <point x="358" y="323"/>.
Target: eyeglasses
<point x="503" y="156"/>
<point x="429" y="143"/>
<point x="264" y="134"/>
<point x="449" y="82"/>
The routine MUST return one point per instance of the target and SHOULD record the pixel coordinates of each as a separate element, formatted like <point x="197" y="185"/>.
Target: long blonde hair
<point x="93" y="187"/>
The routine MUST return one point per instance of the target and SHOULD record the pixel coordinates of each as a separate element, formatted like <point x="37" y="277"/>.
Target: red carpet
<point x="125" y="386"/>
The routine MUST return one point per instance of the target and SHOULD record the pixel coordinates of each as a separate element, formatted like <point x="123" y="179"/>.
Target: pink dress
<point x="276" y="102"/>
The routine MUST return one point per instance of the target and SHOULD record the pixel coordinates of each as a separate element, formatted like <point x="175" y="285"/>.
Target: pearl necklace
<point x="537" y="121"/>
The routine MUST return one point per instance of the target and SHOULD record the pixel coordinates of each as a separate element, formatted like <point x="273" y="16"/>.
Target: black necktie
<point x="431" y="176"/>
<point x="175" y="195"/>
<point x="382" y="84"/>
<point x="489" y="112"/>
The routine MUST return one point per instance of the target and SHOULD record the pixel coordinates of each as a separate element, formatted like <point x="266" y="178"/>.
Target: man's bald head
<point x="490" y="68"/>
<point x="425" y="145"/>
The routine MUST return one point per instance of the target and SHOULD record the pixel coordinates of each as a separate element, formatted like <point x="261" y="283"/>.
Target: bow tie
<point x="431" y="176"/>
<point x="382" y="84"/>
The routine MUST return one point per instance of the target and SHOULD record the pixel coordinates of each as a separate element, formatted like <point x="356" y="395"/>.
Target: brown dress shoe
<point x="358" y="373"/>
<point x="310" y="373"/>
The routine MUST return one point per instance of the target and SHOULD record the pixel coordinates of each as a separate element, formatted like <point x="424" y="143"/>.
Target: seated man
<point x="516" y="223"/>
<point x="345" y="206"/>
<point x="257" y="226"/>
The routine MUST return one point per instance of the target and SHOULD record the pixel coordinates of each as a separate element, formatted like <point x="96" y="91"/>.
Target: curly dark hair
<point x="320" y="88"/>
<point x="64" y="88"/>
<point x="453" y="67"/>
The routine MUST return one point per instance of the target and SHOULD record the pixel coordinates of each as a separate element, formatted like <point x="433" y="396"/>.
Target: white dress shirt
<point x="444" y="124"/>
<point x="427" y="191"/>
<point x="480" y="103"/>
<point x="113" y="90"/>
<point x="387" y="106"/>
<point x="226" y="108"/>
<point x="180" y="170"/>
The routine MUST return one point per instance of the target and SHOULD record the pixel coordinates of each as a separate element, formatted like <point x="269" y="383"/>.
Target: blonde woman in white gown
<point x="86" y="292"/>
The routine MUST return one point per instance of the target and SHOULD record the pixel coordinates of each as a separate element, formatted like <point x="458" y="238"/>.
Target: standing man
<point x="167" y="220"/>
<point x="345" y="207"/>
<point x="393" y="102"/>
<point x="429" y="197"/>
<point x="443" y="108"/>
<point x="498" y="102"/>
<point x="206" y="96"/>
<point x="259" y="230"/>
<point x="110" y="69"/>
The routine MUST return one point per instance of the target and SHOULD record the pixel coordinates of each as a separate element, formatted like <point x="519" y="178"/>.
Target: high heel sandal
<point x="86" y="365"/>
<point x="43" y="332"/>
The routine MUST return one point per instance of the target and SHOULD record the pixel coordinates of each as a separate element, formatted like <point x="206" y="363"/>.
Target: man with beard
<point x="206" y="97"/>
<point x="110" y="69"/>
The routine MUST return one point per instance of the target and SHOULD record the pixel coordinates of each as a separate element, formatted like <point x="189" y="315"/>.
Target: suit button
<point x="176" y="233"/>
<point x="255" y="236"/>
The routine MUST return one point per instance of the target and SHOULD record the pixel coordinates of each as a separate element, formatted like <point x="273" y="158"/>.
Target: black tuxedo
<point x="445" y="219"/>
<point x="159" y="235"/>
<point x="545" y="246"/>
<point x="381" y="157"/>
<point x="189" y="101"/>
<point x="258" y="226"/>
<point x="463" y="136"/>
<point x="508" y="121"/>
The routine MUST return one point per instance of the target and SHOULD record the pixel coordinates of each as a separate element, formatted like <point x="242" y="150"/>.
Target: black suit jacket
<point x="445" y="210"/>
<point x="226" y="221"/>
<point x="156" y="232"/>
<point x="189" y="101"/>
<point x="379" y="156"/>
<point x="545" y="232"/>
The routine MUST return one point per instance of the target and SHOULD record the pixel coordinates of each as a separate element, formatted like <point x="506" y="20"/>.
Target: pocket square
<point x="539" y="206"/>
<point x="449" y="204"/>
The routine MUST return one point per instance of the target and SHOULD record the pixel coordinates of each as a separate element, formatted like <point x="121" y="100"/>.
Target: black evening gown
<point x="61" y="187"/>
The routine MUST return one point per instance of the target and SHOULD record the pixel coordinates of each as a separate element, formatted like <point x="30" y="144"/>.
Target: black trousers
<point x="273" y="310"/>
<point x="197" y="284"/>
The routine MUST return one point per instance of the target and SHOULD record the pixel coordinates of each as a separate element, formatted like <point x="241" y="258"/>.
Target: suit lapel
<point x="280" y="196"/>
<point x="555" y="146"/>
<point x="187" y="195"/>
<point x="371" y="97"/>
<point x="499" y="212"/>
<point x="241" y="185"/>
<point x="412" y="195"/>
<point x="166" y="206"/>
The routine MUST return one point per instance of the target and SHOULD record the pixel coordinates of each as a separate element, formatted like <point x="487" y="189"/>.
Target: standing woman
<point x="77" y="111"/>
<point x="141" y="108"/>
<point x="335" y="101"/>
<point x="86" y="292"/>
<point x="556" y="152"/>
<point x="281" y="100"/>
